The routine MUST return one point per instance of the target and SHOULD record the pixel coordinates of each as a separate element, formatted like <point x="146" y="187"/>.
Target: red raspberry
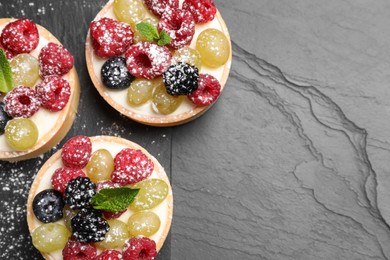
<point x="158" y="7"/>
<point x="139" y="248"/>
<point x="22" y="102"/>
<point x="54" y="93"/>
<point x="76" y="152"/>
<point x="112" y="215"/>
<point x="208" y="91"/>
<point x="55" y="59"/>
<point x="9" y="54"/>
<point x="109" y="255"/>
<point x="203" y="11"/>
<point x="75" y="250"/>
<point x="62" y="176"/>
<point x="20" y="36"/>
<point x="180" y="25"/>
<point x="110" y="38"/>
<point x="131" y="166"/>
<point x="147" y="60"/>
<point x="109" y="185"/>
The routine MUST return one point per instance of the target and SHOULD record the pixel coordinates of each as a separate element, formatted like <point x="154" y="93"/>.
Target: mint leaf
<point x="148" y="30"/>
<point x="114" y="200"/>
<point x="5" y="74"/>
<point x="164" y="38"/>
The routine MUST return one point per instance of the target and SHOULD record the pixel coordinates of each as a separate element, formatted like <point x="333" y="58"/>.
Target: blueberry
<point x="48" y="206"/>
<point x="181" y="79"/>
<point x="4" y="118"/>
<point x="115" y="74"/>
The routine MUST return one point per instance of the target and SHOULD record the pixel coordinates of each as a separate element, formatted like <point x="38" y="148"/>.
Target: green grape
<point x="164" y="103"/>
<point x="152" y="192"/>
<point x="144" y="223"/>
<point x="100" y="166"/>
<point x="68" y="215"/>
<point x="21" y="133"/>
<point x="129" y="11"/>
<point x="140" y="91"/>
<point x="188" y="55"/>
<point x="116" y="237"/>
<point x="213" y="47"/>
<point x="25" y="70"/>
<point x="50" y="237"/>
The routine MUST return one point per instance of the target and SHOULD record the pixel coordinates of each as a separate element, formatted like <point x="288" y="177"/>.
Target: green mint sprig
<point x="114" y="199"/>
<point x="5" y="73"/>
<point x="151" y="33"/>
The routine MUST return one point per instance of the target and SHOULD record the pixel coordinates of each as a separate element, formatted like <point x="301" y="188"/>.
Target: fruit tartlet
<point x="159" y="62"/>
<point x="39" y="90"/>
<point x="101" y="197"/>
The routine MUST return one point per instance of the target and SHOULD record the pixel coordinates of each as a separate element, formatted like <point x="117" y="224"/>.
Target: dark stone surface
<point x="292" y="162"/>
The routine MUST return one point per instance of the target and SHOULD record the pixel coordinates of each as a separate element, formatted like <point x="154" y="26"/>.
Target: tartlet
<point x="145" y="113"/>
<point x="52" y="126"/>
<point x="115" y="146"/>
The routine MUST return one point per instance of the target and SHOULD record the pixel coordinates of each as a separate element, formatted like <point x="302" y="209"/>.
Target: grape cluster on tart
<point x="100" y="198"/>
<point x="39" y="90"/>
<point x="159" y="62"/>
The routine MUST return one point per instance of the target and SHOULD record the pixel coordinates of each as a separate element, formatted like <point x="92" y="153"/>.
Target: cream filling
<point x="114" y="148"/>
<point x="120" y="96"/>
<point x="45" y="120"/>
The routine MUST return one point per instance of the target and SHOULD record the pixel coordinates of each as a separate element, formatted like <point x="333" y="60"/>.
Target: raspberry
<point x="181" y="79"/>
<point x="113" y="215"/>
<point x="76" y="152"/>
<point x="62" y="176"/>
<point x="22" y="102"/>
<point x="75" y="250"/>
<point x="9" y="54"/>
<point x="20" y="36"/>
<point x="110" y="38"/>
<point x="109" y="185"/>
<point x="131" y="166"/>
<point x="55" y="59"/>
<point x="203" y="11"/>
<point x="147" y="60"/>
<point x="54" y="93"/>
<point x="78" y="192"/>
<point x="158" y="7"/>
<point x="109" y="255"/>
<point x="88" y="226"/>
<point x="208" y="91"/>
<point x="139" y="248"/>
<point x="180" y="25"/>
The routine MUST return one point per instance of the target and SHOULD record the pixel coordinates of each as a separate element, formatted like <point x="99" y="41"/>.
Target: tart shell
<point x="65" y="119"/>
<point x="34" y="190"/>
<point x="158" y="120"/>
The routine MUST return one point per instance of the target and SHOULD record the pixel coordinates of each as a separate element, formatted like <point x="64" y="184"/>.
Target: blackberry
<point x="4" y="118"/>
<point x="88" y="226"/>
<point x="48" y="206"/>
<point x="115" y="74"/>
<point x="181" y="79"/>
<point x="79" y="191"/>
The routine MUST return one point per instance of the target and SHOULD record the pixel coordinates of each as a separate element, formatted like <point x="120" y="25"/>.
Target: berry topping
<point x="110" y="38"/>
<point x="9" y="54"/>
<point x="181" y="79"/>
<point x="22" y="102"/>
<point x="147" y="60"/>
<point x="202" y="10"/>
<point x="110" y="255"/>
<point x="131" y="166"/>
<point x="21" y="133"/>
<point x="158" y="7"/>
<point x="76" y="152"/>
<point x="113" y="215"/>
<point x="79" y="191"/>
<point x="4" y="118"/>
<point x="88" y="226"/>
<point x="20" y="36"/>
<point x="48" y="206"/>
<point x="208" y="91"/>
<point x="140" y="248"/>
<point x="54" y="93"/>
<point x="55" y="59"/>
<point x="115" y="74"/>
<point x="180" y="26"/>
<point x="75" y="250"/>
<point x="62" y="176"/>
